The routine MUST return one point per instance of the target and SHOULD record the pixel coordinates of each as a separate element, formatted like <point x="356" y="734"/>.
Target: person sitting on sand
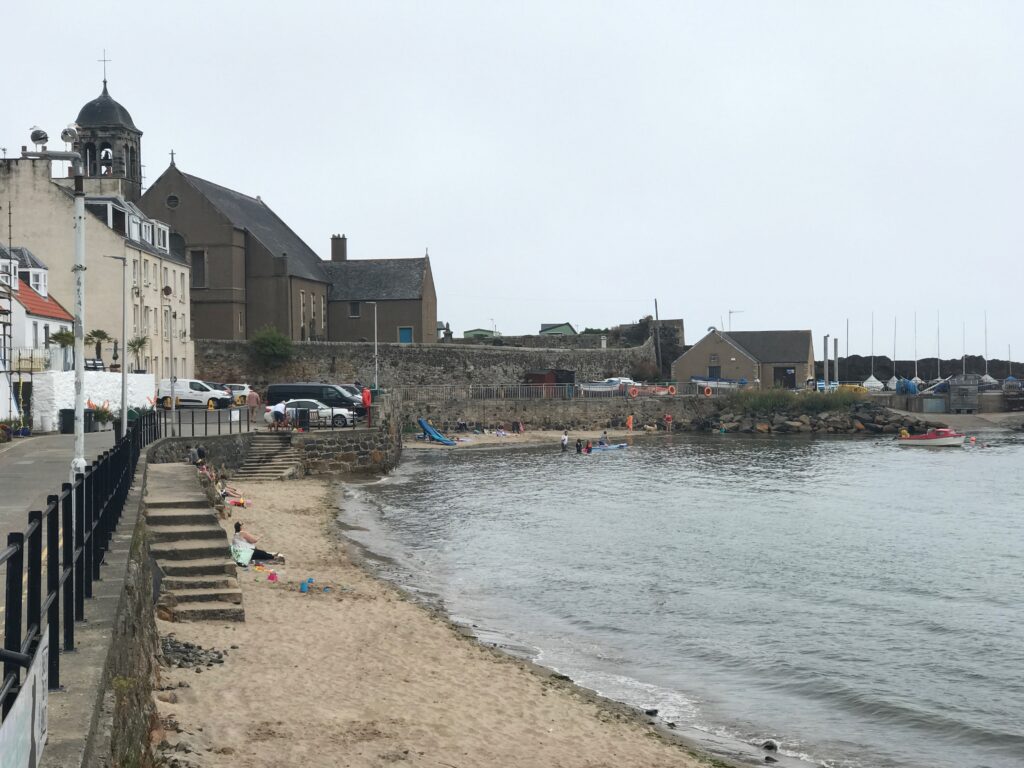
<point x="243" y="541"/>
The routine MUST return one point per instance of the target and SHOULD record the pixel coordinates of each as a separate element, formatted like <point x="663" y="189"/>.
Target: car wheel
<point x="339" y="421"/>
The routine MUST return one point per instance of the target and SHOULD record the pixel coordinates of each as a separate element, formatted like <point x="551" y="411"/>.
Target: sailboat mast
<point x="915" y="345"/>
<point x="872" y="343"/>
<point x="986" y="342"/>
<point x="964" y="338"/>
<point x="938" y="346"/>
<point x="894" y="347"/>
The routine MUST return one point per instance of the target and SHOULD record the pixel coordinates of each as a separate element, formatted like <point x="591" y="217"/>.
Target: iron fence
<point x="79" y="524"/>
<point x="440" y="393"/>
<point x="201" y="422"/>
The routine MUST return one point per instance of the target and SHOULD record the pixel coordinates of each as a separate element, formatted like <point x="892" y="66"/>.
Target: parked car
<point x="320" y="415"/>
<point x="330" y="394"/>
<point x="238" y="391"/>
<point x="191" y="393"/>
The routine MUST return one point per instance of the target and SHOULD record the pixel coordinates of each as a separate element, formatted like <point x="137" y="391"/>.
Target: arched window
<point x="131" y="169"/>
<point x="89" y="158"/>
<point x="106" y="159"/>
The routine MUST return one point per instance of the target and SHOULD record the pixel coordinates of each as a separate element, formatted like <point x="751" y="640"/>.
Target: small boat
<point x="933" y="438"/>
<point x="609" y="447"/>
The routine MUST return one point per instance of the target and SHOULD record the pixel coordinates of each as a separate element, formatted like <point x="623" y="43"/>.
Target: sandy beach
<point x="549" y="437"/>
<point x="356" y="675"/>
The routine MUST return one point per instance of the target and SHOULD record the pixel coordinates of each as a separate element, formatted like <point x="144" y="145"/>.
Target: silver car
<point x="320" y="415"/>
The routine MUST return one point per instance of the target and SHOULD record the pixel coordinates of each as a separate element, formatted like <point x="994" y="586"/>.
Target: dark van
<point x="328" y="394"/>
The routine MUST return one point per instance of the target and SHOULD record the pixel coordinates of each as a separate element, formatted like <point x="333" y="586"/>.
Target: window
<point x="181" y="291"/>
<point x="46" y="335"/>
<point x="35" y="280"/>
<point x="135" y="319"/>
<point x="323" y="312"/>
<point x="166" y="282"/>
<point x="133" y="227"/>
<point x="135" y="272"/>
<point x="147" y="232"/>
<point x="195" y="386"/>
<point x="241" y="325"/>
<point x="712" y="359"/>
<point x="353" y="309"/>
<point x="35" y="335"/>
<point x="312" y="312"/>
<point x="302" y="315"/>
<point x="198" y="261"/>
<point x="714" y="371"/>
<point x="182" y="325"/>
<point x="405" y="334"/>
<point x="172" y="202"/>
<point x="145" y="272"/>
<point x="162" y="234"/>
<point x="167" y="322"/>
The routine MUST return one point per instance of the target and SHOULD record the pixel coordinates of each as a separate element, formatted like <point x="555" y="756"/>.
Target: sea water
<point x="860" y="602"/>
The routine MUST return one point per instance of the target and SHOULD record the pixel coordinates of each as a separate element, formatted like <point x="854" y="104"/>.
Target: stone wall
<point x="412" y="364"/>
<point x="579" y="341"/>
<point x="355" y="450"/>
<point x="221" y="450"/>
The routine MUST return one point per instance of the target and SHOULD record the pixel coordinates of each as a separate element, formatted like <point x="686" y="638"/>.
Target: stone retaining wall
<point x="357" y="450"/>
<point x="412" y="364"/>
<point x="221" y="450"/>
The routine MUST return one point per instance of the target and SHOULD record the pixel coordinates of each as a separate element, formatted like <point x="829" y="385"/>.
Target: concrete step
<point x="184" y="533"/>
<point x="263" y="475"/>
<point x="191" y="501"/>
<point x="208" y="611"/>
<point x="161" y="517"/>
<point x="179" y="583"/>
<point x="190" y="550"/>
<point x="208" y="595"/>
<point x="209" y="566"/>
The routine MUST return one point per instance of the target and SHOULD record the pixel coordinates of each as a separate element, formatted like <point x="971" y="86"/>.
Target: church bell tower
<point x="110" y="144"/>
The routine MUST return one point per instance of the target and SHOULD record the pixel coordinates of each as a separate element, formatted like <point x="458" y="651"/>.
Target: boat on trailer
<point x="933" y="438"/>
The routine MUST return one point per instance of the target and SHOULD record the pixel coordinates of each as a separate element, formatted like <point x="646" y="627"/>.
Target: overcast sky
<point x="803" y="162"/>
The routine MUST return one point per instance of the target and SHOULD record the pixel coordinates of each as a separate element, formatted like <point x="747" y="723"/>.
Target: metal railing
<point x="449" y="392"/>
<point x="201" y="422"/>
<point x="79" y="524"/>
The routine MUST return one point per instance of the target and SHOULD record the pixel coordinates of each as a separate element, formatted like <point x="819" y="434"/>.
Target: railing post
<point x="53" y="588"/>
<point x="67" y="573"/>
<point x="34" y="588"/>
<point x="79" y="548"/>
<point x="12" y="618"/>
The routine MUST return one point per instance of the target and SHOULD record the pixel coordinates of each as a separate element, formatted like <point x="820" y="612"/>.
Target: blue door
<point x="405" y="335"/>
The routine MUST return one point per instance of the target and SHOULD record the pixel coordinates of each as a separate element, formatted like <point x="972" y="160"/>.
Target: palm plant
<point x="63" y="338"/>
<point x="137" y="345"/>
<point x="98" y="337"/>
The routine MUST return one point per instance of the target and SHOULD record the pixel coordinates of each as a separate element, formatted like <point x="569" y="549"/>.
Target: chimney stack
<point x="339" y="248"/>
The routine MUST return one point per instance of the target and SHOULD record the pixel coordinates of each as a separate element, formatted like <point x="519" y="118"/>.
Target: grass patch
<point x="784" y="401"/>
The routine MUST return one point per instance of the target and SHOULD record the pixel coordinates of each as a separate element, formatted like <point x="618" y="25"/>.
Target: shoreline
<point x="363" y="675"/>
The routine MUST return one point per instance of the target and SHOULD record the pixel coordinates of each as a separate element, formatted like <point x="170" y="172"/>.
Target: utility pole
<point x="657" y="337"/>
<point x="825" y="364"/>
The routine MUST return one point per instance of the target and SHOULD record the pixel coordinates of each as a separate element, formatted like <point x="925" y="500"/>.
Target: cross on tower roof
<point x="172" y="157"/>
<point x="105" y="61"/>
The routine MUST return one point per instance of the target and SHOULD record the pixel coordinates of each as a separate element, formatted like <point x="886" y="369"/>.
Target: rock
<point x="770" y="744"/>
<point x="804" y="418"/>
<point x="794" y="425"/>
<point x="651" y="712"/>
<point x="762" y="428"/>
<point x="891" y="428"/>
<point x="871" y="426"/>
<point x="779" y="420"/>
<point x="858" y="425"/>
<point x="168" y="698"/>
<point x="770" y="759"/>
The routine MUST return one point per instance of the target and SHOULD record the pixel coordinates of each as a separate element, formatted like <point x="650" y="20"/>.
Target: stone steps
<point x="177" y="516"/>
<point x="212" y="566"/>
<point x="169" y="533"/>
<point x="184" y="583"/>
<point x="231" y="595"/>
<point x="211" y="611"/>
<point x="190" y="550"/>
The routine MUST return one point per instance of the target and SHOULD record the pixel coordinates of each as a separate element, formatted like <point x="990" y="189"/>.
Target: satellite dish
<point x="70" y="134"/>
<point x="38" y="136"/>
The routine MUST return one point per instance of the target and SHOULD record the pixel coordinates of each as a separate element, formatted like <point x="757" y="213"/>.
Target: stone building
<point x="765" y="359"/>
<point x="400" y="290"/>
<point x="110" y="144"/>
<point x="249" y="269"/>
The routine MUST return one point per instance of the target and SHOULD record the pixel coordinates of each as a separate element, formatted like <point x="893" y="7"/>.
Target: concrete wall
<point x="54" y="390"/>
<point x="416" y="364"/>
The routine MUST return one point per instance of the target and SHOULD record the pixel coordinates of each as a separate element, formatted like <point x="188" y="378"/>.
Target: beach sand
<point x="549" y="437"/>
<point x="360" y="676"/>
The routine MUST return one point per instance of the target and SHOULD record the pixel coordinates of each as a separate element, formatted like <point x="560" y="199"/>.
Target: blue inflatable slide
<point x="433" y="434"/>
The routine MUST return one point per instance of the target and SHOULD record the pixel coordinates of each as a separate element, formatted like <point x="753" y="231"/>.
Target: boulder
<point x="794" y="426"/>
<point x="871" y="426"/>
<point x="858" y="425"/>
<point x="764" y="428"/>
<point x="779" y="420"/>
<point x="804" y="418"/>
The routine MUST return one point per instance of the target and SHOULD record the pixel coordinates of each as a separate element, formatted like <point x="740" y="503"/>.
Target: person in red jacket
<point x="367" y="400"/>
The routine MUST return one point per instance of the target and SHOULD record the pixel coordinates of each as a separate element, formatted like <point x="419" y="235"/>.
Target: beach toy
<point x="304" y="587"/>
<point x="272" y="576"/>
<point x="327" y="589"/>
<point x="309" y="580"/>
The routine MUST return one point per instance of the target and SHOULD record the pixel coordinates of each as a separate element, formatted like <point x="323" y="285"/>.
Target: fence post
<point x="68" y="548"/>
<point x="79" y="548"/>
<point x="34" y="588"/>
<point x="12" y="619"/>
<point x="53" y="588"/>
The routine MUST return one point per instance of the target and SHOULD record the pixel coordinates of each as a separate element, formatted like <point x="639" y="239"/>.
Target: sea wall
<point x="412" y="364"/>
<point x="54" y="390"/>
<point x="373" y="450"/>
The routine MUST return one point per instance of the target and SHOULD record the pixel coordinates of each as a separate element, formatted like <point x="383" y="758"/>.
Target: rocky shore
<point x="862" y="418"/>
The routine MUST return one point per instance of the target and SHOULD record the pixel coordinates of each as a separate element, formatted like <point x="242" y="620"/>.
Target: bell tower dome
<point x="110" y="144"/>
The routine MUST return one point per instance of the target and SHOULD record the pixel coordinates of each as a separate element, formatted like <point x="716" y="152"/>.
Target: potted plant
<point x="137" y="346"/>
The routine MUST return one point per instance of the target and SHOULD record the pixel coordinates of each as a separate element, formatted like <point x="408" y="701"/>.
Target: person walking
<point x="565" y="441"/>
<point x="252" y="400"/>
<point x="367" y="402"/>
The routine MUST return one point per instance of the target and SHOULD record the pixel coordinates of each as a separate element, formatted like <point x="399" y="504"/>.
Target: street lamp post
<point x="124" y="341"/>
<point x="70" y="134"/>
<point x="376" y="365"/>
<point x="167" y="291"/>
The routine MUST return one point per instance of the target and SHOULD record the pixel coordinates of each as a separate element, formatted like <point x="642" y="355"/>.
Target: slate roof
<point x="103" y="111"/>
<point x="25" y="258"/>
<point x="772" y="346"/>
<point x="373" y="279"/>
<point x="255" y="216"/>
<point x="37" y="306"/>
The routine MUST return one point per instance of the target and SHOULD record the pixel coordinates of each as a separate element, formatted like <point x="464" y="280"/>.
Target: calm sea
<point x="862" y="603"/>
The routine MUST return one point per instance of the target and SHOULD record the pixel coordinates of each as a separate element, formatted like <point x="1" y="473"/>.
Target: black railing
<point x="80" y="522"/>
<point x="201" y="422"/>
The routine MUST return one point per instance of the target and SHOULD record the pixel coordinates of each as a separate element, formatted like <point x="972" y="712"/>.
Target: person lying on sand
<point x="243" y="542"/>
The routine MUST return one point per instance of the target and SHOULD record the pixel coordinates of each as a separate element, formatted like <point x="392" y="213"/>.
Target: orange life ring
<point x="671" y="389"/>
<point x="707" y="391"/>
<point x="633" y="392"/>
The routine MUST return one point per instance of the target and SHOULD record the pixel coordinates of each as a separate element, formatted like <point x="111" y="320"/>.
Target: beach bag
<point x="241" y="556"/>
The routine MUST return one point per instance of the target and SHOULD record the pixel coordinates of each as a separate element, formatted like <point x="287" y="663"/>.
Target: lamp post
<point x="124" y="341"/>
<point x="167" y="291"/>
<point x="376" y="365"/>
<point x="70" y="134"/>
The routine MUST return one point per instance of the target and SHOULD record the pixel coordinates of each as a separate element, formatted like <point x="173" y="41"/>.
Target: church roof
<point x="376" y="279"/>
<point x="255" y="216"/>
<point x="103" y="111"/>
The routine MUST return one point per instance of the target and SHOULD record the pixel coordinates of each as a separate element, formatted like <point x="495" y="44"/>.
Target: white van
<point x="191" y="393"/>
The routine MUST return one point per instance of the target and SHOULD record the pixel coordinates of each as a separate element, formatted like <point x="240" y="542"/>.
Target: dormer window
<point x="162" y="238"/>
<point x="147" y="232"/>
<point x="133" y="228"/>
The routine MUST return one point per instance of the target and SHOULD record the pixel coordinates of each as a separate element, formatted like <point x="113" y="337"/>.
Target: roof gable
<point x="772" y="346"/>
<point x="256" y="217"/>
<point x="372" y="279"/>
